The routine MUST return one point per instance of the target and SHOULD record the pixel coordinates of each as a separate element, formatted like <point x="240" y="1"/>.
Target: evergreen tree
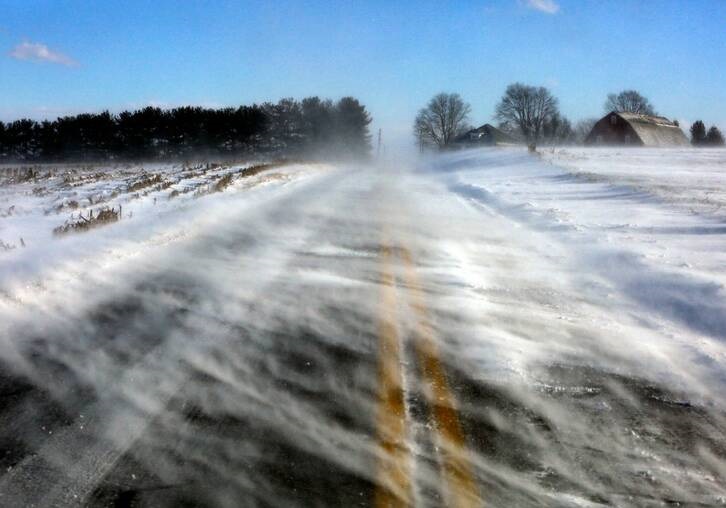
<point x="308" y="128"/>
<point x="714" y="137"/>
<point x="698" y="133"/>
<point x="351" y="122"/>
<point x="2" y="140"/>
<point x="285" y="125"/>
<point x="318" y="122"/>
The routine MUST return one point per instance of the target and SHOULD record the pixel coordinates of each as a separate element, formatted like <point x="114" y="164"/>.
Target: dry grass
<point x="226" y="180"/>
<point x="259" y="168"/>
<point x="72" y="205"/>
<point x="202" y="190"/>
<point x="104" y="216"/>
<point x="186" y="190"/>
<point x="143" y="182"/>
<point x="223" y="182"/>
<point x="4" y="247"/>
<point x="164" y="185"/>
<point x="27" y="175"/>
<point x="22" y="174"/>
<point x="217" y="185"/>
<point x="195" y="171"/>
<point x="76" y="178"/>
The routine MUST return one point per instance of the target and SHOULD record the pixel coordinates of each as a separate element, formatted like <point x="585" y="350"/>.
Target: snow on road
<point x="226" y="346"/>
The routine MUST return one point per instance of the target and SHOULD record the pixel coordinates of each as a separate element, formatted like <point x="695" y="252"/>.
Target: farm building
<point x="617" y="128"/>
<point x="485" y="135"/>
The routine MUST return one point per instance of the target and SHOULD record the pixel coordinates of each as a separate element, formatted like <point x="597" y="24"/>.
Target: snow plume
<point x="191" y="309"/>
<point x="37" y="52"/>
<point x="583" y="284"/>
<point x="225" y="346"/>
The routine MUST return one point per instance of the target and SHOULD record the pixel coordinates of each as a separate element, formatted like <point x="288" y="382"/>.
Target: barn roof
<point x="654" y="130"/>
<point x="488" y="130"/>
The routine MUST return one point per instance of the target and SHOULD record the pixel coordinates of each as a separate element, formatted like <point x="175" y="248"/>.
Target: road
<point x="365" y="337"/>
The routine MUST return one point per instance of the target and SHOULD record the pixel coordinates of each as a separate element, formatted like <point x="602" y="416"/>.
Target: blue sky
<point x="59" y="57"/>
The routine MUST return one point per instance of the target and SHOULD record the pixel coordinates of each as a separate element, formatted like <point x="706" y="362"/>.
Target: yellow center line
<point x="393" y="486"/>
<point x="457" y="470"/>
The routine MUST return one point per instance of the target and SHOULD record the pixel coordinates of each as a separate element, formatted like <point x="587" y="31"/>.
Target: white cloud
<point x="548" y="6"/>
<point x="36" y="52"/>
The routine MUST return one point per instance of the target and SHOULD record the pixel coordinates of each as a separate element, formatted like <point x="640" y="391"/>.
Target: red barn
<point x="619" y="128"/>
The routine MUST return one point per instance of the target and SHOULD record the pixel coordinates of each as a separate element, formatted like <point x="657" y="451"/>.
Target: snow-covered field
<point x="637" y="233"/>
<point x="213" y="347"/>
<point x="157" y="203"/>
<point x="692" y="179"/>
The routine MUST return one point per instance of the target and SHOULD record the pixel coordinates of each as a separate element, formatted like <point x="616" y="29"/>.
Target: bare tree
<point x="558" y="130"/>
<point x="527" y="107"/>
<point x="441" y="120"/>
<point x="583" y="128"/>
<point x="629" y="101"/>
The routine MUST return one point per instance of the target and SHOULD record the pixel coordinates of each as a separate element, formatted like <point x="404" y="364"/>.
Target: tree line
<point x="531" y="114"/>
<point x="311" y="127"/>
<point x="699" y="136"/>
<point x="526" y="112"/>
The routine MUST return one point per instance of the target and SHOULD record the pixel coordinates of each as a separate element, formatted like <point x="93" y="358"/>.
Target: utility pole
<point x="378" y="150"/>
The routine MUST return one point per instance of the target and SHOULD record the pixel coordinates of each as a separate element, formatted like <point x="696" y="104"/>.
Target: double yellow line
<point x="394" y="485"/>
